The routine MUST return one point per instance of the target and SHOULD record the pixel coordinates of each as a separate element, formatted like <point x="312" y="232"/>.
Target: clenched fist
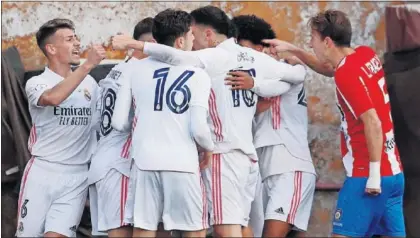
<point x="96" y="54"/>
<point x="121" y="41"/>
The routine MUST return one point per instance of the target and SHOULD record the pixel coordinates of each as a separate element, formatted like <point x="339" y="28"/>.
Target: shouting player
<point x="110" y="167"/>
<point x="171" y="106"/>
<point x="370" y="201"/>
<point x="232" y="186"/>
<point x="61" y="103"/>
<point x="280" y="136"/>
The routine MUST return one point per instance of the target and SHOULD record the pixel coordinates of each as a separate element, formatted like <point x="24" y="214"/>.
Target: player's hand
<point x="239" y="80"/>
<point x="205" y="160"/>
<point x="293" y="60"/>
<point x="278" y="46"/>
<point x="121" y="41"/>
<point x="96" y="54"/>
<point x="373" y="184"/>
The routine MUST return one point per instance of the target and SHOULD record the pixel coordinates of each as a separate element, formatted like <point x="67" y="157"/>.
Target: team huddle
<point x="204" y="126"/>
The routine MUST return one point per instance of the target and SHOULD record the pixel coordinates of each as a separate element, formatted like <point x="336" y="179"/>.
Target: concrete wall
<point x="96" y="21"/>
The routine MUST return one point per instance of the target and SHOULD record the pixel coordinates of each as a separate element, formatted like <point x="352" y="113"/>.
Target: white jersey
<point x="114" y="146"/>
<point x="286" y="123"/>
<point x="62" y="134"/>
<point x="231" y="112"/>
<point x="162" y="94"/>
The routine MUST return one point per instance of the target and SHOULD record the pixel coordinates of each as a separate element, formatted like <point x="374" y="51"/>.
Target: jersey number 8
<point x="108" y="105"/>
<point x="178" y="87"/>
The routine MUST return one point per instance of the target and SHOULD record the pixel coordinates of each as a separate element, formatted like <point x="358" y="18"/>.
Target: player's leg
<point x="148" y="203"/>
<point x="225" y="180"/>
<point x="34" y="201"/>
<point x="392" y="221"/>
<point x="357" y="213"/>
<point x="112" y="198"/>
<point x="69" y="201"/>
<point x="185" y="203"/>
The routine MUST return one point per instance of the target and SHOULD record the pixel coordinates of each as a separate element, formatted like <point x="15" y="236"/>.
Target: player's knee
<point x="227" y="230"/>
<point x="125" y="231"/>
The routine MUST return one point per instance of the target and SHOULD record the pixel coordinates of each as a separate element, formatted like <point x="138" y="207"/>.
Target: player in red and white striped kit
<point x="370" y="202"/>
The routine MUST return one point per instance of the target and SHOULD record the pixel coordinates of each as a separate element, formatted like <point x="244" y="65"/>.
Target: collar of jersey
<point x="51" y="74"/>
<point x="225" y="44"/>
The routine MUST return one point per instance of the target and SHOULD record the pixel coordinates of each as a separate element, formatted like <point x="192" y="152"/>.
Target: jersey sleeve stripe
<point x="126" y="148"/>
<point x="215" y="117"/>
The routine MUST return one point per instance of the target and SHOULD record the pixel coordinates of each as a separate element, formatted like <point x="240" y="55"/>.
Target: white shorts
<point x="129" y="205"/>
<point x="108" y="198"/>
<point x="230" y="183"/>
<point x="288" y="197"/>
<point x="256" y="217"/>
<point x="176" y="198"/>
<point x="51" y="198"/>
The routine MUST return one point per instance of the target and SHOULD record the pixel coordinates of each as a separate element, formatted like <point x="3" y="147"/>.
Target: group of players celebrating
<point x="203" y="125"/>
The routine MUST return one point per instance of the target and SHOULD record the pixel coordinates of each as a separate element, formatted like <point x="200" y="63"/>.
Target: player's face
<point x="65" y="47"/>
<point x="189" y="40"/>
<point x="319" y="46"/>
<point x="201" y="37"/>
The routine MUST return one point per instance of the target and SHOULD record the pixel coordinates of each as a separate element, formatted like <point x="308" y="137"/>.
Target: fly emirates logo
<point x="73" y="116"/>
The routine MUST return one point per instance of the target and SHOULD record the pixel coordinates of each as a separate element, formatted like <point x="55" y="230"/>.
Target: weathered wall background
<point x="97" y="21"/>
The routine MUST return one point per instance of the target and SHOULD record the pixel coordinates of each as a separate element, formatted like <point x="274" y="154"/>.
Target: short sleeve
<point x="34" y="88"/>
<point x="200" y="89"/>
<point x="354" y="92"/>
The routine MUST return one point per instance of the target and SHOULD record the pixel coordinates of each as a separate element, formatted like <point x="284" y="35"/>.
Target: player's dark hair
<point x="50" y="28"/>
<point x="215" y="18"/>
<point x="333" y="24"/>
<point x="170" y="24"/>
<point x="144" y="26"/>
<point x="254" y="29"/>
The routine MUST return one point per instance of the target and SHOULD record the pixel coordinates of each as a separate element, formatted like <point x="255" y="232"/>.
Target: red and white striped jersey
<point x="62" y="134"/>
<point x="114" y="146"/>
<point x="361" y="86"/>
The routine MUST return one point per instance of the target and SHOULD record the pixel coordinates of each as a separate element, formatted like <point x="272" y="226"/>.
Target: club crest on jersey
<point x="87" y="94"/>
<point x="338" y="214"/>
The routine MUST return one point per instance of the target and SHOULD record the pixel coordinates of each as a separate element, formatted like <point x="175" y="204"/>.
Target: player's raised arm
<point x="278" y="46"/>
<point x="120" y="119"/>
<point x="96" y="110"/>
<point x="40" y="94"/>
<point x="201" y="85"/>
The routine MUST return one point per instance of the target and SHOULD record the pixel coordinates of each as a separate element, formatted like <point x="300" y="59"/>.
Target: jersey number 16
<point x="178" y="87"/>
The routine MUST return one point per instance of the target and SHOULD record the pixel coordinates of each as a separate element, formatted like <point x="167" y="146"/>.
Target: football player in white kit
<point x="54" y="185"/>
<point x="280" y="136"/>
<point x="109" y="171"/>
<point x="232" y="177"/>
<point x="171" y="106"/>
